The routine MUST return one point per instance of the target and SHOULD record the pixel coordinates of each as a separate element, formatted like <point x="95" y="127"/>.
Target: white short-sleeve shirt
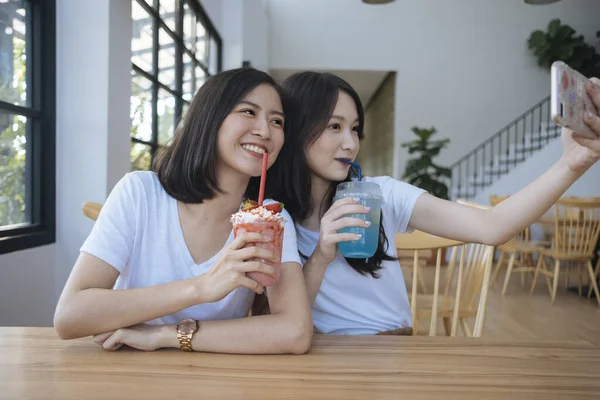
<point x="138" y="233"/>
<point x="351" y="303"/>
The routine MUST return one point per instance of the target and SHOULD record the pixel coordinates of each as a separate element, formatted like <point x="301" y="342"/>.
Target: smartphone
<point x="569" y="100"/>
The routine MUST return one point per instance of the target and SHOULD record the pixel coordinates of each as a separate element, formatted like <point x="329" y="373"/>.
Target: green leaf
<point x="553" y="27"/>
<point x="536" y="39"/>
<point x="447" y="172"/>
<point x="421" y="171"/>
<point x="564" y="32"/>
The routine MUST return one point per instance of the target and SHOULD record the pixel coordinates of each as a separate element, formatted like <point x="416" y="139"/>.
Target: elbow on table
<point x="62" y="329"/>
<point x="63" y="325"/>
<point x="298" y="338"/>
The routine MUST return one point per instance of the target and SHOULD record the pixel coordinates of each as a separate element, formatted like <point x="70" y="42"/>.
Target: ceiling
<point x="364" y="82"/>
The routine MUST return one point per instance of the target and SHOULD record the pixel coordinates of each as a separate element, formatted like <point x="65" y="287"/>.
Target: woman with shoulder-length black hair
<point x="368" y="296"/>
<point x="161" y="267"/>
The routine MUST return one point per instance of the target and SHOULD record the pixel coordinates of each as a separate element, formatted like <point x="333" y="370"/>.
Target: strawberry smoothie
<point x="268" y="221"/>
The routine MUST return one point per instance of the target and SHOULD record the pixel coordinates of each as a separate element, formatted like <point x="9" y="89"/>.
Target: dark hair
<point x="313" y="98"/>
<point x="186" y="168"/>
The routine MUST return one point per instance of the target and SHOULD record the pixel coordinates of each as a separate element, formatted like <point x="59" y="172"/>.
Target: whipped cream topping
<point x="256" y="214"/>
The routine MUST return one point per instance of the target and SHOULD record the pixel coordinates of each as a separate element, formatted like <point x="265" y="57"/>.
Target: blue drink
<point x="370" y="195"/>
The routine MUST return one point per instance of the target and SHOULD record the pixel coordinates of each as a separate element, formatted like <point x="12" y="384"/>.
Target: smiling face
<point x="254" y="126"/>
<point x="340" y="139"/>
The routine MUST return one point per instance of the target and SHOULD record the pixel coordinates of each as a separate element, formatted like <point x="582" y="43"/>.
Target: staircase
<point x="506" y="149"/>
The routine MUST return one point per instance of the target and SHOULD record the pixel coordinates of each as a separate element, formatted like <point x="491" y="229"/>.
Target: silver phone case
<point x="569" y="100"/>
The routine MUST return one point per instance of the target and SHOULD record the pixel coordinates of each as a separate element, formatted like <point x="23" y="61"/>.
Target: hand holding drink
<point x="352" y="223"/>
<point x="368" y="194"/>
<point x="254" y="217"/>
<point x="231" y="269"/>
<point x="267" y="221"/>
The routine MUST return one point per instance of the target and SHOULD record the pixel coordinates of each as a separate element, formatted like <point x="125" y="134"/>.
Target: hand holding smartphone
<point x="569" y="100"/>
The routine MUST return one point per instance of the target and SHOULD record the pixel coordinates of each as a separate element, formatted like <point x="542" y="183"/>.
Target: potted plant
<point x="422" y="171"/>
<point x="559" y="43"/>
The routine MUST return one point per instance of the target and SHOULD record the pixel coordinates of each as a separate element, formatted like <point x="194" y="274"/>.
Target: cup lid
<point x="355" y="187"/>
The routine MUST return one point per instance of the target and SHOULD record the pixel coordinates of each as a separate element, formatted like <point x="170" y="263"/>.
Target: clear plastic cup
<point x="369" y="194"/>
<point x="272" y="230"/>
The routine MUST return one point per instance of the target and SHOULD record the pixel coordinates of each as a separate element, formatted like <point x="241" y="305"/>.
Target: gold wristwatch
<point x="185" y="331"/>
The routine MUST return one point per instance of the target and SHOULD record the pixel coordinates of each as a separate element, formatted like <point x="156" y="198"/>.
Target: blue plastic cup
<point x="369" y="194"/>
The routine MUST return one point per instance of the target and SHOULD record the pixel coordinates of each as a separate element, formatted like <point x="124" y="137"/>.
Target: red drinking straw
<point x="263" y="179"/>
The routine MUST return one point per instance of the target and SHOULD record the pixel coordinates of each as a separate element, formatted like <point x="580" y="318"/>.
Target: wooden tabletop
<point x="35" y="364"/>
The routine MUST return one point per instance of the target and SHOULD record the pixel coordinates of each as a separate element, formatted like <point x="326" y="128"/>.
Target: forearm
<point x="526" y="206"/>
<point x="497" y="224"/>
<point x="314" y="271"/>
<point x="265" y="334"/>
<point x="93" y="311"/>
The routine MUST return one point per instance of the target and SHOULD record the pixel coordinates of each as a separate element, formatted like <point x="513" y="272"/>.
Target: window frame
<point x="41" y="134"/>
<point x="178" y="38"/>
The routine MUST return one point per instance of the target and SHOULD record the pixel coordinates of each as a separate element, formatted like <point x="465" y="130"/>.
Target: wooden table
<point x="35" y="364"/>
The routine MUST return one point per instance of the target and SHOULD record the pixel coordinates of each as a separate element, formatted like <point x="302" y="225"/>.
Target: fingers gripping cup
<point x="267" y="221"/>
<point x="369" y="194"/>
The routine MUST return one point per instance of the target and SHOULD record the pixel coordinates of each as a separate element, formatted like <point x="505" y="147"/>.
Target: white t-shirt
<point x="351" y="303"/>
<point x="138" y="233"/>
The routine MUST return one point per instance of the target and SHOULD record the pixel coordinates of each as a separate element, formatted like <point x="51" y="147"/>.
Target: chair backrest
<point x="465" y="290"/>
<point x="91" y="210"/>
<point x="495" y="199"/>
<point x="576" y="225"/>
<point x="472" y="204"/>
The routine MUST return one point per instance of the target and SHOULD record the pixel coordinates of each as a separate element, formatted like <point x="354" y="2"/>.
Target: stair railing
<point x="508" y="147"/>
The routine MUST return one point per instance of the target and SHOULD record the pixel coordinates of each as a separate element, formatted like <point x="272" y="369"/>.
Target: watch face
<point x="187" y="326"/>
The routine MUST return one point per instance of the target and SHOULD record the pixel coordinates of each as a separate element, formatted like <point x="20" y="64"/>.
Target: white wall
<point x="92" y="140"/>
<point x="256" y="34"/>
<point x="27" y="287"/>
<point x="214" y="10"/>
<point x="231" y="30"/>
<point x="462" y="65"/>
<point x="119" y="93"/>
<point x="93" y="124"/>
<point x="243" y="26"/>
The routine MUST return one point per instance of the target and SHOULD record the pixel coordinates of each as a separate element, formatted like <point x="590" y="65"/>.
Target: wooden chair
<point x="576" y="232"/>
<point x="405" y="257"/>
<point x="495" y="199"/>
<point x="596" y="272"/>
<point x="427" y="256"/>
<point x="465" y="291"/>
<point x="472" y="204"/>
<point x="91" y="210"/>
<point x="517" y="253"/>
